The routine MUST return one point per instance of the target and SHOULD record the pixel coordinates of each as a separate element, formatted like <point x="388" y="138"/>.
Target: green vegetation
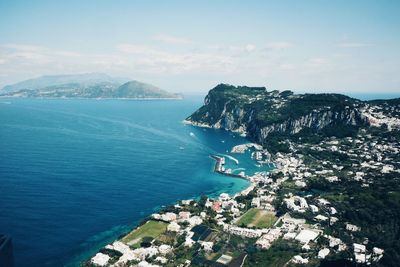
<point x="257" y="218"/>
<point x="150" y="229"/>
<point x="276" y="256"/>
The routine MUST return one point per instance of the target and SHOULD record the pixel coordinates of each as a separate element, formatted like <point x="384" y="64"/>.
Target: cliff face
<point x="258" y="113"/>
<point x="314" y="120"/>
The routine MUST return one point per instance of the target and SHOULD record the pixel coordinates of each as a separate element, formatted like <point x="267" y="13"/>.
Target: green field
<point x="151" y="228"/>
<point x="257" y="218"/>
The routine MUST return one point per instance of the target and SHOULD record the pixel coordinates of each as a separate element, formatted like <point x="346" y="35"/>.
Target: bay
<point x="76" y="174"/>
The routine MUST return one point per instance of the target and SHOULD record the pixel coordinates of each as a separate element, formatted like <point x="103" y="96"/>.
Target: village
<point x="278" y="209"/>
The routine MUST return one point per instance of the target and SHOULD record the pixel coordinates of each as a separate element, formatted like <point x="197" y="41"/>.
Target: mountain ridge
<point x="92" y="85"/>
<point x="52" y="80"/>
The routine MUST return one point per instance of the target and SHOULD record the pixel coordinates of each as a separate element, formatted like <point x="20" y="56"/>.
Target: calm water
<point x="75" y="174"/>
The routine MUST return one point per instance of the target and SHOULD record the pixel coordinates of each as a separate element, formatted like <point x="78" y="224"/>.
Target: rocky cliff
<point x="257" y="113"/>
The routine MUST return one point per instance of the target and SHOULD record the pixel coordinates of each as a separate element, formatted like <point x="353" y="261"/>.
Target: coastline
<point x="239" y="131"/>
<point x="243" y="134"/>
<point x="243" y="192"/>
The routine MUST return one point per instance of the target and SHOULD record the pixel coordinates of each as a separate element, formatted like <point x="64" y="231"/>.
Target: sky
<point x="346" y="46"/>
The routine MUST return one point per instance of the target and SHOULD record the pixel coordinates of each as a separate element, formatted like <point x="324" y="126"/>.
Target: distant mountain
<point x="86" y="79"/>
<point x="135" y="89"/>
<point x="93" y="85"/>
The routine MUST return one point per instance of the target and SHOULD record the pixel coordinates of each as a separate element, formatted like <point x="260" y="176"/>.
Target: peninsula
<point x="333" y="198"/>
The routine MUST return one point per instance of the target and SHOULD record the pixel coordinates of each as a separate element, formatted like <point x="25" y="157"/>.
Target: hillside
<point x="258" y="113"/>
<point x="338" y="168"/>
<point x="135" y="89"/>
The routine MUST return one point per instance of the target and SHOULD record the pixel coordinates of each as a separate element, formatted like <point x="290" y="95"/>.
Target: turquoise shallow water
<point x="75" y="174"/>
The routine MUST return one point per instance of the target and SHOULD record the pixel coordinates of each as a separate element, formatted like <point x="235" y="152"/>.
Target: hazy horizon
<point x="343" y="47"/>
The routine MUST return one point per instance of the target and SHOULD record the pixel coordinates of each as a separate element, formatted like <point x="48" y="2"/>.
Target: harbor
<point x="219" y="167"/>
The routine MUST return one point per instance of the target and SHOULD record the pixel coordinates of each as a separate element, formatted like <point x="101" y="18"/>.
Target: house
<point x="265" y="241"/>
<point x="255" y="202"/>
<point x="224" y="259"/>
<point x="360" y="253"/>
<point x="195" y="220"/>
<point x="173" y="227"/>
<point x="246" y="232"/>
<point x="323" y="202"/>
<point x="168" y="217"/>
<point x="186" y="202"/>
<point x="207" y="246"/>
<point x="208" y="203"/>
<point x="377" y="254"/>
<point x="358" y="248"/>
<point x="216" y="206"/>
<point x="184" y="215"/>
<point x="299" y="260"/>
<point x="314" y="208"/>
<point x="164" y="249"/>
<point x="352" y="227"/>
<point x="306" y="235"/>
<point x="321" y="218"/>
<point x="100" y="259"/>
<point x="323" y="253"/>
<point x="290" y="235"/>
<point x="146" y="264"/>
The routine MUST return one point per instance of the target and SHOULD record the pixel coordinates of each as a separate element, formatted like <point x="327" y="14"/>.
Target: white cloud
<point x="250" y="47"/>
<point x="286" y="66"/>
<point x="169" y="39"/>
<point x="20" y="61"/>
<point x="193" y="65"/>
<point x="352" y="45"/>
<point x="151" y="59"/>
<point x="138" y="49"/>
<point x="22" y="47"/>
<point x="278" y="45"/>
<point x="317" y="61"/>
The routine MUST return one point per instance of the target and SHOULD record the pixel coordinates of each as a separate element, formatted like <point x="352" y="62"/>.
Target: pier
<point x="219" y="167"/>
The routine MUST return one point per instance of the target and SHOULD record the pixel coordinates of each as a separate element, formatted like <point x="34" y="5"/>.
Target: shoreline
<point x="241" y="132"/>
<point x="251" y="185"/>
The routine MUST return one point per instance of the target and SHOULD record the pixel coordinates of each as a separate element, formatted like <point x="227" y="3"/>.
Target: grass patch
<point x="151" y="229"/>
<point x="257" y="218"/>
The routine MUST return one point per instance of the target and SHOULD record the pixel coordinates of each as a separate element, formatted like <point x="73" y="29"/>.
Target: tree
<point x="146" y="241"/>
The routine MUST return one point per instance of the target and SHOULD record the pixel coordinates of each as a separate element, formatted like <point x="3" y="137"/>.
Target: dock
<point x="219" y="167"/>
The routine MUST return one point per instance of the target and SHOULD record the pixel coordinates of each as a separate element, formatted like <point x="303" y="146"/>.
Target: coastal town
<point x="292" y="215"/>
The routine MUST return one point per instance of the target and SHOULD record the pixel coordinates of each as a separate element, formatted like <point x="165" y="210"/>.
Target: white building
<point x="173" y="227"/>
<point x="323" y="253"/>
<point x="352" y="227"/>
<point x="100" y="259"/>
<point x="306" y="235"/>
<point x="299" y="260"/>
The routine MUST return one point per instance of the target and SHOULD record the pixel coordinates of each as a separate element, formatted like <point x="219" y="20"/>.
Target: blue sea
<point x="76" y="174"/>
